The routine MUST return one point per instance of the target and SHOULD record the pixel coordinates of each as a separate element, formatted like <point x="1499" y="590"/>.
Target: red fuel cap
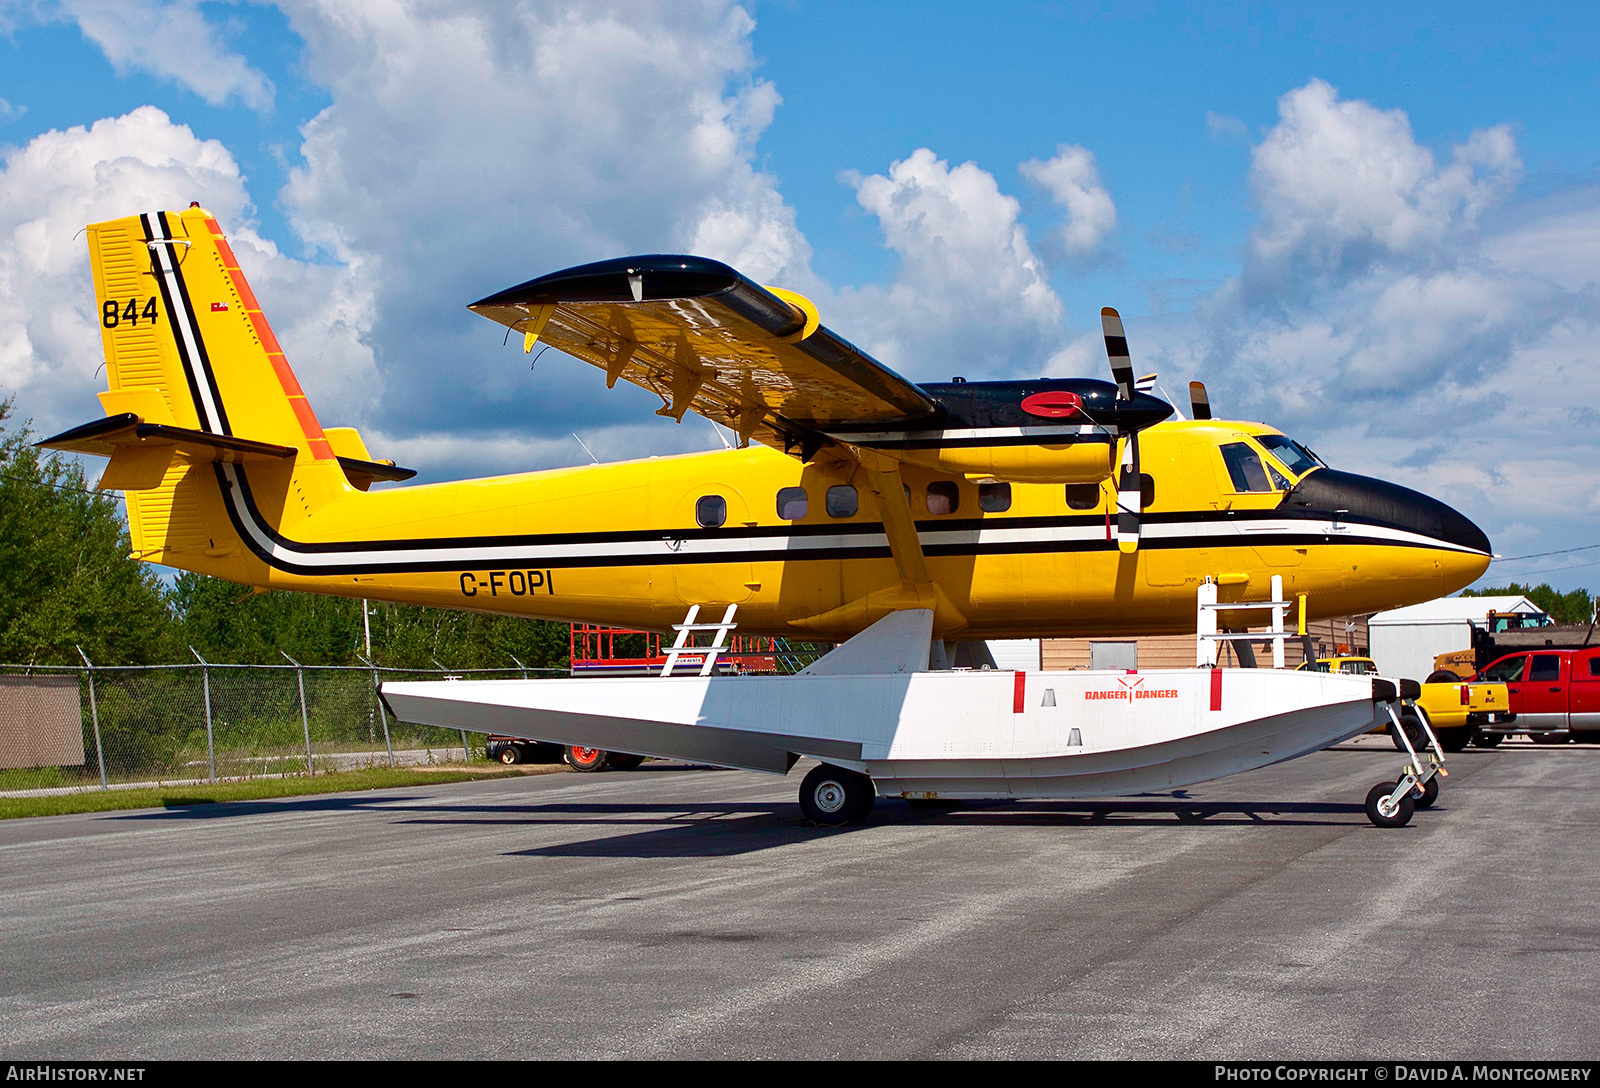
<point x="1053" y="404"/>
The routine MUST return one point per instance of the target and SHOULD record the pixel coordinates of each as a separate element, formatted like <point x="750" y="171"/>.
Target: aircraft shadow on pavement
<point x="727" y="829"/>
<point x="702" y="834"/>
<point x="205" y="808"/>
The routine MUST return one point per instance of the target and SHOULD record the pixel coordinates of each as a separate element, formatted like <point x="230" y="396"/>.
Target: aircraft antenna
<point x="586" y="448"/>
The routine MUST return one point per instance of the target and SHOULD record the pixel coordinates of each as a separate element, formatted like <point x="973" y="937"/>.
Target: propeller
<point x="1199" y="403"/>
<point x="1129" y="500"/>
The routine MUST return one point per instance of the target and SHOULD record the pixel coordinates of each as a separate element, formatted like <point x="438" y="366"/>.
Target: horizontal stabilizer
<point x="363" y="473"/>
<point x="141" y="452"/>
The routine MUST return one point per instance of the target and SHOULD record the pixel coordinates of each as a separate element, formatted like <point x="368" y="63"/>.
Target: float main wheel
<point x="1382" y="813"/>
<point x="832" y="796"/>
<point x="586" y="759"/>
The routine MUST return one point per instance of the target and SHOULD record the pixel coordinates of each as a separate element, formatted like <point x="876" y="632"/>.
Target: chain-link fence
<point x="143" y="725"/>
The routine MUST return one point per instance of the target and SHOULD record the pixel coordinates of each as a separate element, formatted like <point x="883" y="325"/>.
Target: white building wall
<point x="1408" y="650"/>
<point x="1016" y="654"/>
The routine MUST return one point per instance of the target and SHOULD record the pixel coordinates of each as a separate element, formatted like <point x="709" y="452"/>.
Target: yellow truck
<point x="1454" y="709"/>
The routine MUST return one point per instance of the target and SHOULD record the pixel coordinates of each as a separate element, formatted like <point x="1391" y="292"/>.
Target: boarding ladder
<point x="684" y="646"/>
<point x="1208" y="639"/>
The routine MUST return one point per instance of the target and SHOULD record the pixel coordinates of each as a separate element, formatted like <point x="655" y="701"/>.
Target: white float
<point x="871" y="706"/>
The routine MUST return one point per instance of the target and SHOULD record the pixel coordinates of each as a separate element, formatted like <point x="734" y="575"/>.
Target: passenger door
<point x="711" y="562"/>
<point x="1584" y="685"/>
<point x="1544" y="693"/>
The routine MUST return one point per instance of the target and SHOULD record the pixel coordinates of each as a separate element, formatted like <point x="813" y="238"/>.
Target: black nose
<point x="1361" y="500"/>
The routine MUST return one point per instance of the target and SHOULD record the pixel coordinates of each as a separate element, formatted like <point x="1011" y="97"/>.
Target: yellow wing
<point x="701" y="336"/>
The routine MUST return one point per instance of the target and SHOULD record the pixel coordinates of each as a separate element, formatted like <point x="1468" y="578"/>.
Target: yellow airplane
<point x="1011" y="509"/>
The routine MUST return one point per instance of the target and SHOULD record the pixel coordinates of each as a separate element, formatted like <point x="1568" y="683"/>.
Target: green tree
<point x="65" y="576"/>
<point x="234" y="624"/>
<point x="1573" y="607"/>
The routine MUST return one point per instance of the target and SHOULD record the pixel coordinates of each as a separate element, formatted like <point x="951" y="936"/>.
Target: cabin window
<point x="1544" y="667"/>
<point x="996" y="499"/>
<point x="943" y="497"/>
<point x="792" y="503"/>
<point x="1147" y="491"/>
<point x="1083" y="496"/>
<point x="842" y="501"/>
<point x="710" y="511"/>
<point x="1506" y="671"/>
<point x="1245" y="467"/>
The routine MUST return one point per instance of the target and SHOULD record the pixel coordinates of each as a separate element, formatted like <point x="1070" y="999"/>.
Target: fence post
<point x="305" y="719"/>
<point x="205" y="681"/>
<point x="383" y="715"/>
<point x="94" y="716"/>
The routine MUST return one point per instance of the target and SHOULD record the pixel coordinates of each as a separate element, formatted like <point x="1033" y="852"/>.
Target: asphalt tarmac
<point x="682" y="912"/>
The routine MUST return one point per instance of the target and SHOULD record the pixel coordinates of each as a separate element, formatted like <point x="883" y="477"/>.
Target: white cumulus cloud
<point x="169" y="39"/>
<point x="50" y="352"/>
<point x="1344" y="186"/>
<point x="968" y="289"/>
<point x="1073" y="181"/>
<point x="1387" y="317"/>
<point x="474" y="145"/>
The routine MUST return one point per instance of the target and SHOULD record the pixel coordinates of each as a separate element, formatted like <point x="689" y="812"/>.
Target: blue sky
<point x="1373" y="225"/>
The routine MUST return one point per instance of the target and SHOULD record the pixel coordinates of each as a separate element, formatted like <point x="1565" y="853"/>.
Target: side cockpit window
<point x="1246" y="469"/>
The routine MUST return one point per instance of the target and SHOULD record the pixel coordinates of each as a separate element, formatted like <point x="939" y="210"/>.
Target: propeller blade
<point x="1199" y="403"/>
<point x="1130" y="500"/>
<point x="1117" y="352"/>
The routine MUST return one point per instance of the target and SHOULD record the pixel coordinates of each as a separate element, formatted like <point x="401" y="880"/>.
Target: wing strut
<point x="883" y="477"/>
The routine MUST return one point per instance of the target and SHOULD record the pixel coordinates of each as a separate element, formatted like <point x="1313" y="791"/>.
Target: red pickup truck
<point x="1555" y="694"/>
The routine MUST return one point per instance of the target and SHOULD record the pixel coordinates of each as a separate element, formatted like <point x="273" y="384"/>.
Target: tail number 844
<point x="515" y="583"/>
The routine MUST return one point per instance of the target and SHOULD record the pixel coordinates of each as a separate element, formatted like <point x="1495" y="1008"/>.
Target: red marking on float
<point x="1216" y="689"/>
<point x="1019" y="692"/>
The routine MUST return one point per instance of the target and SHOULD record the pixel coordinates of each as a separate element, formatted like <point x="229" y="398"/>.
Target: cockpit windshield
<point x="1296" y="458"/>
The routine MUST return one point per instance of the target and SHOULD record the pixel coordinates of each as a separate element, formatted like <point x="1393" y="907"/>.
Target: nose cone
<point x="1388" y="512"/>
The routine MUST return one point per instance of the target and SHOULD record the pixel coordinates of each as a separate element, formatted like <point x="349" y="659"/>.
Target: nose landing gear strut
<point x="1391" y="804"/>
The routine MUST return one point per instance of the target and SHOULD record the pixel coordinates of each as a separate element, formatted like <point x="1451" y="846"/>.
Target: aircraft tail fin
<point x="197" y="383"/>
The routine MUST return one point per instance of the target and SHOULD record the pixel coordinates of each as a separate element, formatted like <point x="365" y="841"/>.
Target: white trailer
<point x="1405" y="641"/>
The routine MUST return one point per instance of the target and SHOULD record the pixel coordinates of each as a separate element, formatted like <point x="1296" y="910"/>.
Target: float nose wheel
<point x="831" y="796"/>
<point x="1392" y="804"/>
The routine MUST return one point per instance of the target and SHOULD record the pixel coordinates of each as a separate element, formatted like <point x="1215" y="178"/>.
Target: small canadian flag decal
<point x="219" y="307"/>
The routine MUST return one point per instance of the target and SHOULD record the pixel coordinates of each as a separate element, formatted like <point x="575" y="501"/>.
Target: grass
<point x="255" y="789"/>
